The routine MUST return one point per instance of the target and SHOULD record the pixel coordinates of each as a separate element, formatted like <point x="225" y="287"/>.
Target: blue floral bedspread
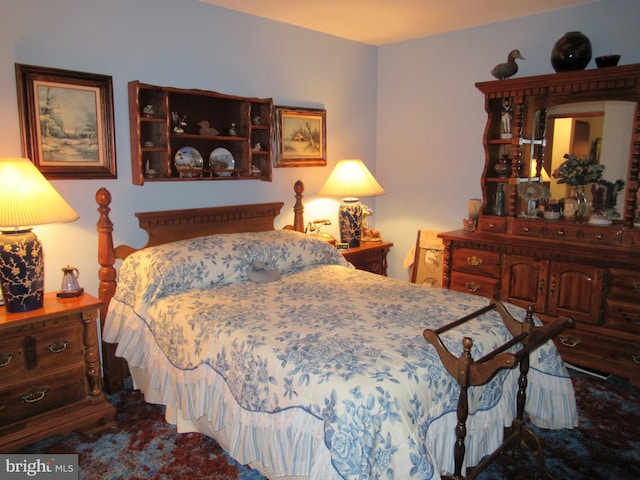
<point x="342" y="344"/>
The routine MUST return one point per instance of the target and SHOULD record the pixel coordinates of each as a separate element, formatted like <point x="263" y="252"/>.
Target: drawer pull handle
<point x="635" y="319"/>
<point x="34" y="395"/>
<point x="635" y="358"/>
<point x="525" y="229"/>
<point x="560" y="232"/>
<point x="472" y="287"/>
<point x="569" y="342"/>
<point x="636" y="287"/>
<point x="5" y="359"/>
<point x="58" y="347"/>
<point x="599" y="236"/>
<point x="474" y="261"/>
<point x="492" y="225"/>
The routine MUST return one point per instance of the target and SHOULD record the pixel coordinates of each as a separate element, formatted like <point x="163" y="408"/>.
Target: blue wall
<point x="409" y="109"/>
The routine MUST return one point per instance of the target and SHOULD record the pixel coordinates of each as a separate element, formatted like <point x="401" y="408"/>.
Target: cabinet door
<point x="576" y="291"/>
<point x="524" y="281"/>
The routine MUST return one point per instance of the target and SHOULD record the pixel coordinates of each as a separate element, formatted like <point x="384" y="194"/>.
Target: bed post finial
<point x="298" y="208"/>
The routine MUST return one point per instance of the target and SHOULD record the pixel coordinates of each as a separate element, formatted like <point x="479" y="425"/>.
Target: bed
<point x="298" y="364"/>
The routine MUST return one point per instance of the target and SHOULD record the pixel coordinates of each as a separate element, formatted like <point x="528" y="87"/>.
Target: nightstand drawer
<point x="37" y="351"/>
<point x="32" y="397"/>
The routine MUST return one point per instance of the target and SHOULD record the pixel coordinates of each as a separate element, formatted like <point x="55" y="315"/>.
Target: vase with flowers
<point x="577" y="173"/>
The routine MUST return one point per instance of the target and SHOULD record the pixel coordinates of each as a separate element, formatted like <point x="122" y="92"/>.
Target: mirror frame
<point x="538" y="93"/>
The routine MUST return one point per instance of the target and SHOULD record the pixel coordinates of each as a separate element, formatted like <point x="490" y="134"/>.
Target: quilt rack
<point x="469" y="372"/>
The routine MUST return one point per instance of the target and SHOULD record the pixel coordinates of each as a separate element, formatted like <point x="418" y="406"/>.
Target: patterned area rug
<point x="606" y="445"/>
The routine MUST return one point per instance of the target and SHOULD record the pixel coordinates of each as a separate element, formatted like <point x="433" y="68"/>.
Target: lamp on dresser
<point x="27" y="199"/>
<point x="350" y="180"/>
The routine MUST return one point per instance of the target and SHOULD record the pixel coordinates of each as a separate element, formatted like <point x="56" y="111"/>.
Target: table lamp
<point x="350" y="180"/>
<point x="26" y="199"/>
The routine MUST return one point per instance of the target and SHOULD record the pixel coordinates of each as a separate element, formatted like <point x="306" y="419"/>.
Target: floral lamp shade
<point x="26" y="199"/>
<point x="350" y="180"/>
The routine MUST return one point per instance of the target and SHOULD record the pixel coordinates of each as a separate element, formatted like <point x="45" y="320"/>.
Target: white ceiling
<point x="378" y="22"/>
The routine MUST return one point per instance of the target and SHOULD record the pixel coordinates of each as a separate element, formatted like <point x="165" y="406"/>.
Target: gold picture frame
<point x="67" y="122"/>
<point x="301" y="137"/>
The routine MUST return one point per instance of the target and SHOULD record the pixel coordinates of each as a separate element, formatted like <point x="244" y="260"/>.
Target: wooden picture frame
<point x="67" y="122"/>
<point x="301" y="137"/>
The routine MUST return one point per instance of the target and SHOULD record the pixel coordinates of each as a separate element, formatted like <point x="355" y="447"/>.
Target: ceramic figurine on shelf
<point x="257" y="147"/>
<point x="232" y="130"/>
<point x="508" y="69"/>
<point x="148" y="111"/>
<point x="149" y="172"/>
<point x="178" y="122"/>
<point x="205" y="129"/>
<point x="505" y="117"/>
<point x="256" y="120"/>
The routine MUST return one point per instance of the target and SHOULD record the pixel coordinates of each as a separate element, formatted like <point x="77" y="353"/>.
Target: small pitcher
<point x="70" y="286"/>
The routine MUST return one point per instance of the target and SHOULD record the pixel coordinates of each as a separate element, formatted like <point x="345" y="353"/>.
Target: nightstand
<point x="369" y="256"/>
<point x="50" y="376"/>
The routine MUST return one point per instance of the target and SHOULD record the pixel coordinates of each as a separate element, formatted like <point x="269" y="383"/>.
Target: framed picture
<point x="301" y="137"/>
<point x="66" y="121"/>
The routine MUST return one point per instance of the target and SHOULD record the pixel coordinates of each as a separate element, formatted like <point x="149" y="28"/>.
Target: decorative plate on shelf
<point x="188" y="162"/>
<point x="221" y="159"/>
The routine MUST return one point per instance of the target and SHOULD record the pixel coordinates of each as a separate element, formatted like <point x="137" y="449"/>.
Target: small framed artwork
<point x="301" y="137"/>
<point x="66" y="121"/>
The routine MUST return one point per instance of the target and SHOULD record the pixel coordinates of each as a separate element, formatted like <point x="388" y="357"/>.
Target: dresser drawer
<point x="530" y="228"/>
<point x="584" y="234"/>
<point x="28" y="398"/>
<point x="600" y="352"/>
<point x="623" y="315"/>
<point x="37" y="351"/>
<point x="475" y="284"/>
<point x="625" y="284"/>
<point x="493" y="224"/>
<point x="477" y="262"/>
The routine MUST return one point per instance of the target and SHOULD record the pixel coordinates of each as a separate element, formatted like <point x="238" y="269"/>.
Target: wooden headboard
<point x="169" y="226"/>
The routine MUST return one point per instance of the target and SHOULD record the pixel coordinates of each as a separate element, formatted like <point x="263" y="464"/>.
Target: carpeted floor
<point x="606" y="445"/>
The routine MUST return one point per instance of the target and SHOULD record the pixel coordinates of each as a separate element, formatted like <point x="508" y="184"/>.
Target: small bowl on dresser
<point x="551" y="215"/>
<point x="607" y="61"/>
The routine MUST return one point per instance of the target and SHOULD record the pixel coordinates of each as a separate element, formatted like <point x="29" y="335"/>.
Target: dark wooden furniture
<point x="469" y="372"/>
<point x="171" y="225"/>
<point x="560" y="267"/>
<point x="50" y="381"/>
<point x="154" y="141"/>
<point x="369" y="256"/>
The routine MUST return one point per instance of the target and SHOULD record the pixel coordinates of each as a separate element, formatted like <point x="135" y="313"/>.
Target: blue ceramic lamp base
<point x="350" y="221"/>
<point x="21" y="271"/>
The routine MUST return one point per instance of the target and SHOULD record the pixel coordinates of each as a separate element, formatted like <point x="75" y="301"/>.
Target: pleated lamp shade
<point x="27" y="199"/>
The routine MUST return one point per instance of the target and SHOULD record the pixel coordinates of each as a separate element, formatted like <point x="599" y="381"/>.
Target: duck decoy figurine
<point x="508" y="69"/>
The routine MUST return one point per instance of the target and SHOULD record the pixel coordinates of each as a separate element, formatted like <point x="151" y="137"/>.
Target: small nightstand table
<point x="50" y="376"/>
<point x="369" y="256"/>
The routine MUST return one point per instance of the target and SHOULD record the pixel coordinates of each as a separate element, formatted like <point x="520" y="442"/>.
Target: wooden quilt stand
<point x="468" y="372"/>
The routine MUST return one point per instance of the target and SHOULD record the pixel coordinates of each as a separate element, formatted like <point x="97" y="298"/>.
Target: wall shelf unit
<point x="164" y="120"/>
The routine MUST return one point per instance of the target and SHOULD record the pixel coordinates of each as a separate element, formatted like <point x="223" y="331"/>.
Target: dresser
<point x="587" y="268"/>
<point x="50" y="374"/>
<point x="369" y="256"/>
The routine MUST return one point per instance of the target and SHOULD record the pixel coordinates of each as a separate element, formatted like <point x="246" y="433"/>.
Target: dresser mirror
<point x="595" y="130"/>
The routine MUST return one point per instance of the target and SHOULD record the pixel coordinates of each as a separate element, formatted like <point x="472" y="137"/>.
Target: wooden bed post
<point x="115" y="368"/>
